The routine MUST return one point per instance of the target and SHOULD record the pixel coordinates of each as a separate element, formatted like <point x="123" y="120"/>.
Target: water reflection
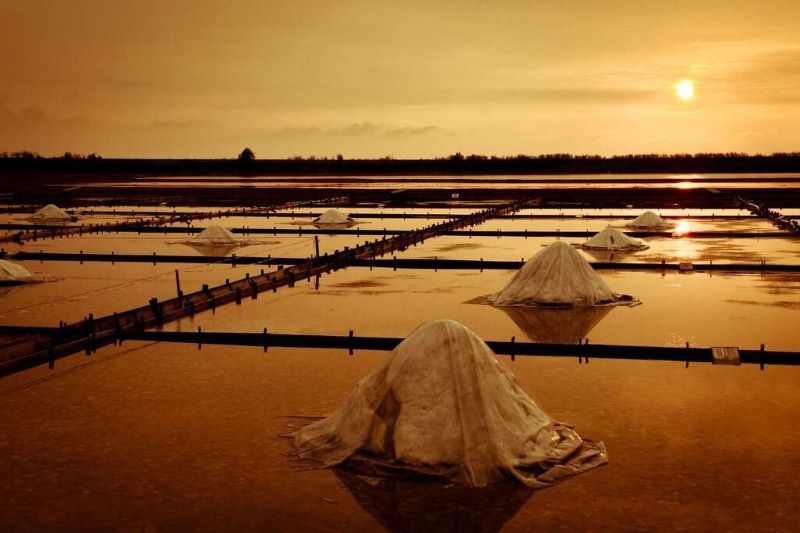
<point x="557" y="326"/>
<point x="400" y="504"/>
<point x="681" y="228"/>
<point x="608" y="256"/>
<point x="215" y="250"/>
<point x="8" y="289"/>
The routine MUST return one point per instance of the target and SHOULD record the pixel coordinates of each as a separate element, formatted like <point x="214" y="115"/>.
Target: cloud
<point x="771" y="78"/>
<point x="554" y="94"/>
<point x="411" y="132"/>
<point x="171" y="124"/>
<point x="30" y="116"/>
<point x="360" y="129"/>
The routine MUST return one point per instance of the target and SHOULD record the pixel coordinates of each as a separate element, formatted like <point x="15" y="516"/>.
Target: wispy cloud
<point x="173" y="124"/>
<point x="771" y="78"/>
<point x="599" y="95"/>
<point x="360" y="129"/>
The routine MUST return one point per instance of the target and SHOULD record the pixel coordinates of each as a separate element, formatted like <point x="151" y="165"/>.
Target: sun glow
<point x="685" y="90"/>
<point x="681" y="228"/>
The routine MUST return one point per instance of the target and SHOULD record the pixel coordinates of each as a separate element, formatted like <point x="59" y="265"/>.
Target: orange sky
<point x="409" y="78"/>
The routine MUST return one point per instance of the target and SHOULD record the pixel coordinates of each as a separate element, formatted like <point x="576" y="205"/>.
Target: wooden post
<point x="316" y="245"/>
<point x="178" y="283"/>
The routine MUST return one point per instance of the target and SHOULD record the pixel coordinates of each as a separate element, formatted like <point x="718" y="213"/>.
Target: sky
<point x="404" y="79"/>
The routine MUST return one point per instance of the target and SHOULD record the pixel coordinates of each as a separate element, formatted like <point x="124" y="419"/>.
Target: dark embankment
<point x="17" y="167"/>
<point x="82" y="181"/>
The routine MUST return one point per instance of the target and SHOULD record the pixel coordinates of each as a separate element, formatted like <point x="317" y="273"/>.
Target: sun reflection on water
<point x="681" y="228"/>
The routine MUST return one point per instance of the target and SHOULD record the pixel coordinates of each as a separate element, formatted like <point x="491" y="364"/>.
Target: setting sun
<point x="685" y="90"/>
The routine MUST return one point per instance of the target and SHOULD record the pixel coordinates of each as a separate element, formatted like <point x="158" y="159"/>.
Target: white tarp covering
<point x="649" y="220"/>
<point x="557" y="276"/>
<point x="14" y="273"/>
<point x="443" y="404"/>
<point x="333" y="216"/>
<point x="613" y="239"/>
<point x="51" y="212"/>
<point x="214" y="235"/>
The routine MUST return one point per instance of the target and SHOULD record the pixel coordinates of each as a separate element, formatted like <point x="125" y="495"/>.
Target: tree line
<point x="246" y="163"/>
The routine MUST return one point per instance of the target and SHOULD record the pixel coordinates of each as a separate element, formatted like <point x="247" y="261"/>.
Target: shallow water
<point x="719" y="310"/>
<point x="680" y="181"/>
<point x="168" y="437"/>
<point x="149" y="436"/>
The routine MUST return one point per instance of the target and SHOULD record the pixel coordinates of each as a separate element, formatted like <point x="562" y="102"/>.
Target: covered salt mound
<point x="613" y="239"/>
<point x="649" y="220"/>
<point x="334" y="217"/>
<point x="214" y="235"/>
<point x="12" y="273"/>
<point x="557" y="276"/>
<point x="443" y="405"/>
<point x="52" y="213"/>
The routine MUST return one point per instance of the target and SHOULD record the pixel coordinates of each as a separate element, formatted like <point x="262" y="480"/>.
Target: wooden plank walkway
<point x="91" y="333"/>
<point x="777" y="219"/>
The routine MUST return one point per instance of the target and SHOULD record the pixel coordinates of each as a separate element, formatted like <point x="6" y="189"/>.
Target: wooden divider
<point x="33" y="232"/>
<point x="91" y="333"/>
<point x="394" y="263"/>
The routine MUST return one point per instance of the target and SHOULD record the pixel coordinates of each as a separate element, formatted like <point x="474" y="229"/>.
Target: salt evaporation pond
<point x="157" y="436"/>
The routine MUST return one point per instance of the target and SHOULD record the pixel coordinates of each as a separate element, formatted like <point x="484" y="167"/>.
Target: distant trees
<point x="25" y="154"/>
<point x="247" y="155"/>
<point x="71" y="155"/>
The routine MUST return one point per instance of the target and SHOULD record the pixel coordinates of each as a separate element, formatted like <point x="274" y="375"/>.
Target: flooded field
<point x="610" y="181"/>
<point x="166" y="436"/>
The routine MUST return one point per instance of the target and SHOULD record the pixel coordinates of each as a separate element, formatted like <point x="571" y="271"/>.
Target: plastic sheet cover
<point x="443" y="405"/>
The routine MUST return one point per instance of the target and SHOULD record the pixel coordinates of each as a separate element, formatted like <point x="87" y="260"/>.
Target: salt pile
<point x="51" y="212"/>
<point x="557" y="276"/>
<point x="649" y="220"/>
<point x="214" y="235"/>
<point x="442" y="404"/>
<point x="613" y="239"/>
<point x="333" y="216"/>
<point x="12" y="273"/>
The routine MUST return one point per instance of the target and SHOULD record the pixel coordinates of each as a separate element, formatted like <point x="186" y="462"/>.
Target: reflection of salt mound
<point x="214" y="235"/>
<point x="556" y="276"/>
<point x="557" y="326"/>
<point x="649" y="220"/>
<point x="400" y="504"/>
<point x="12" y="273"/>
<point x="442" y="404"/>
<point x="613" y="239"/>
<point x="214" y="250"/>
<point x="333" y="216"/>
<point x="51" y="212"/>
